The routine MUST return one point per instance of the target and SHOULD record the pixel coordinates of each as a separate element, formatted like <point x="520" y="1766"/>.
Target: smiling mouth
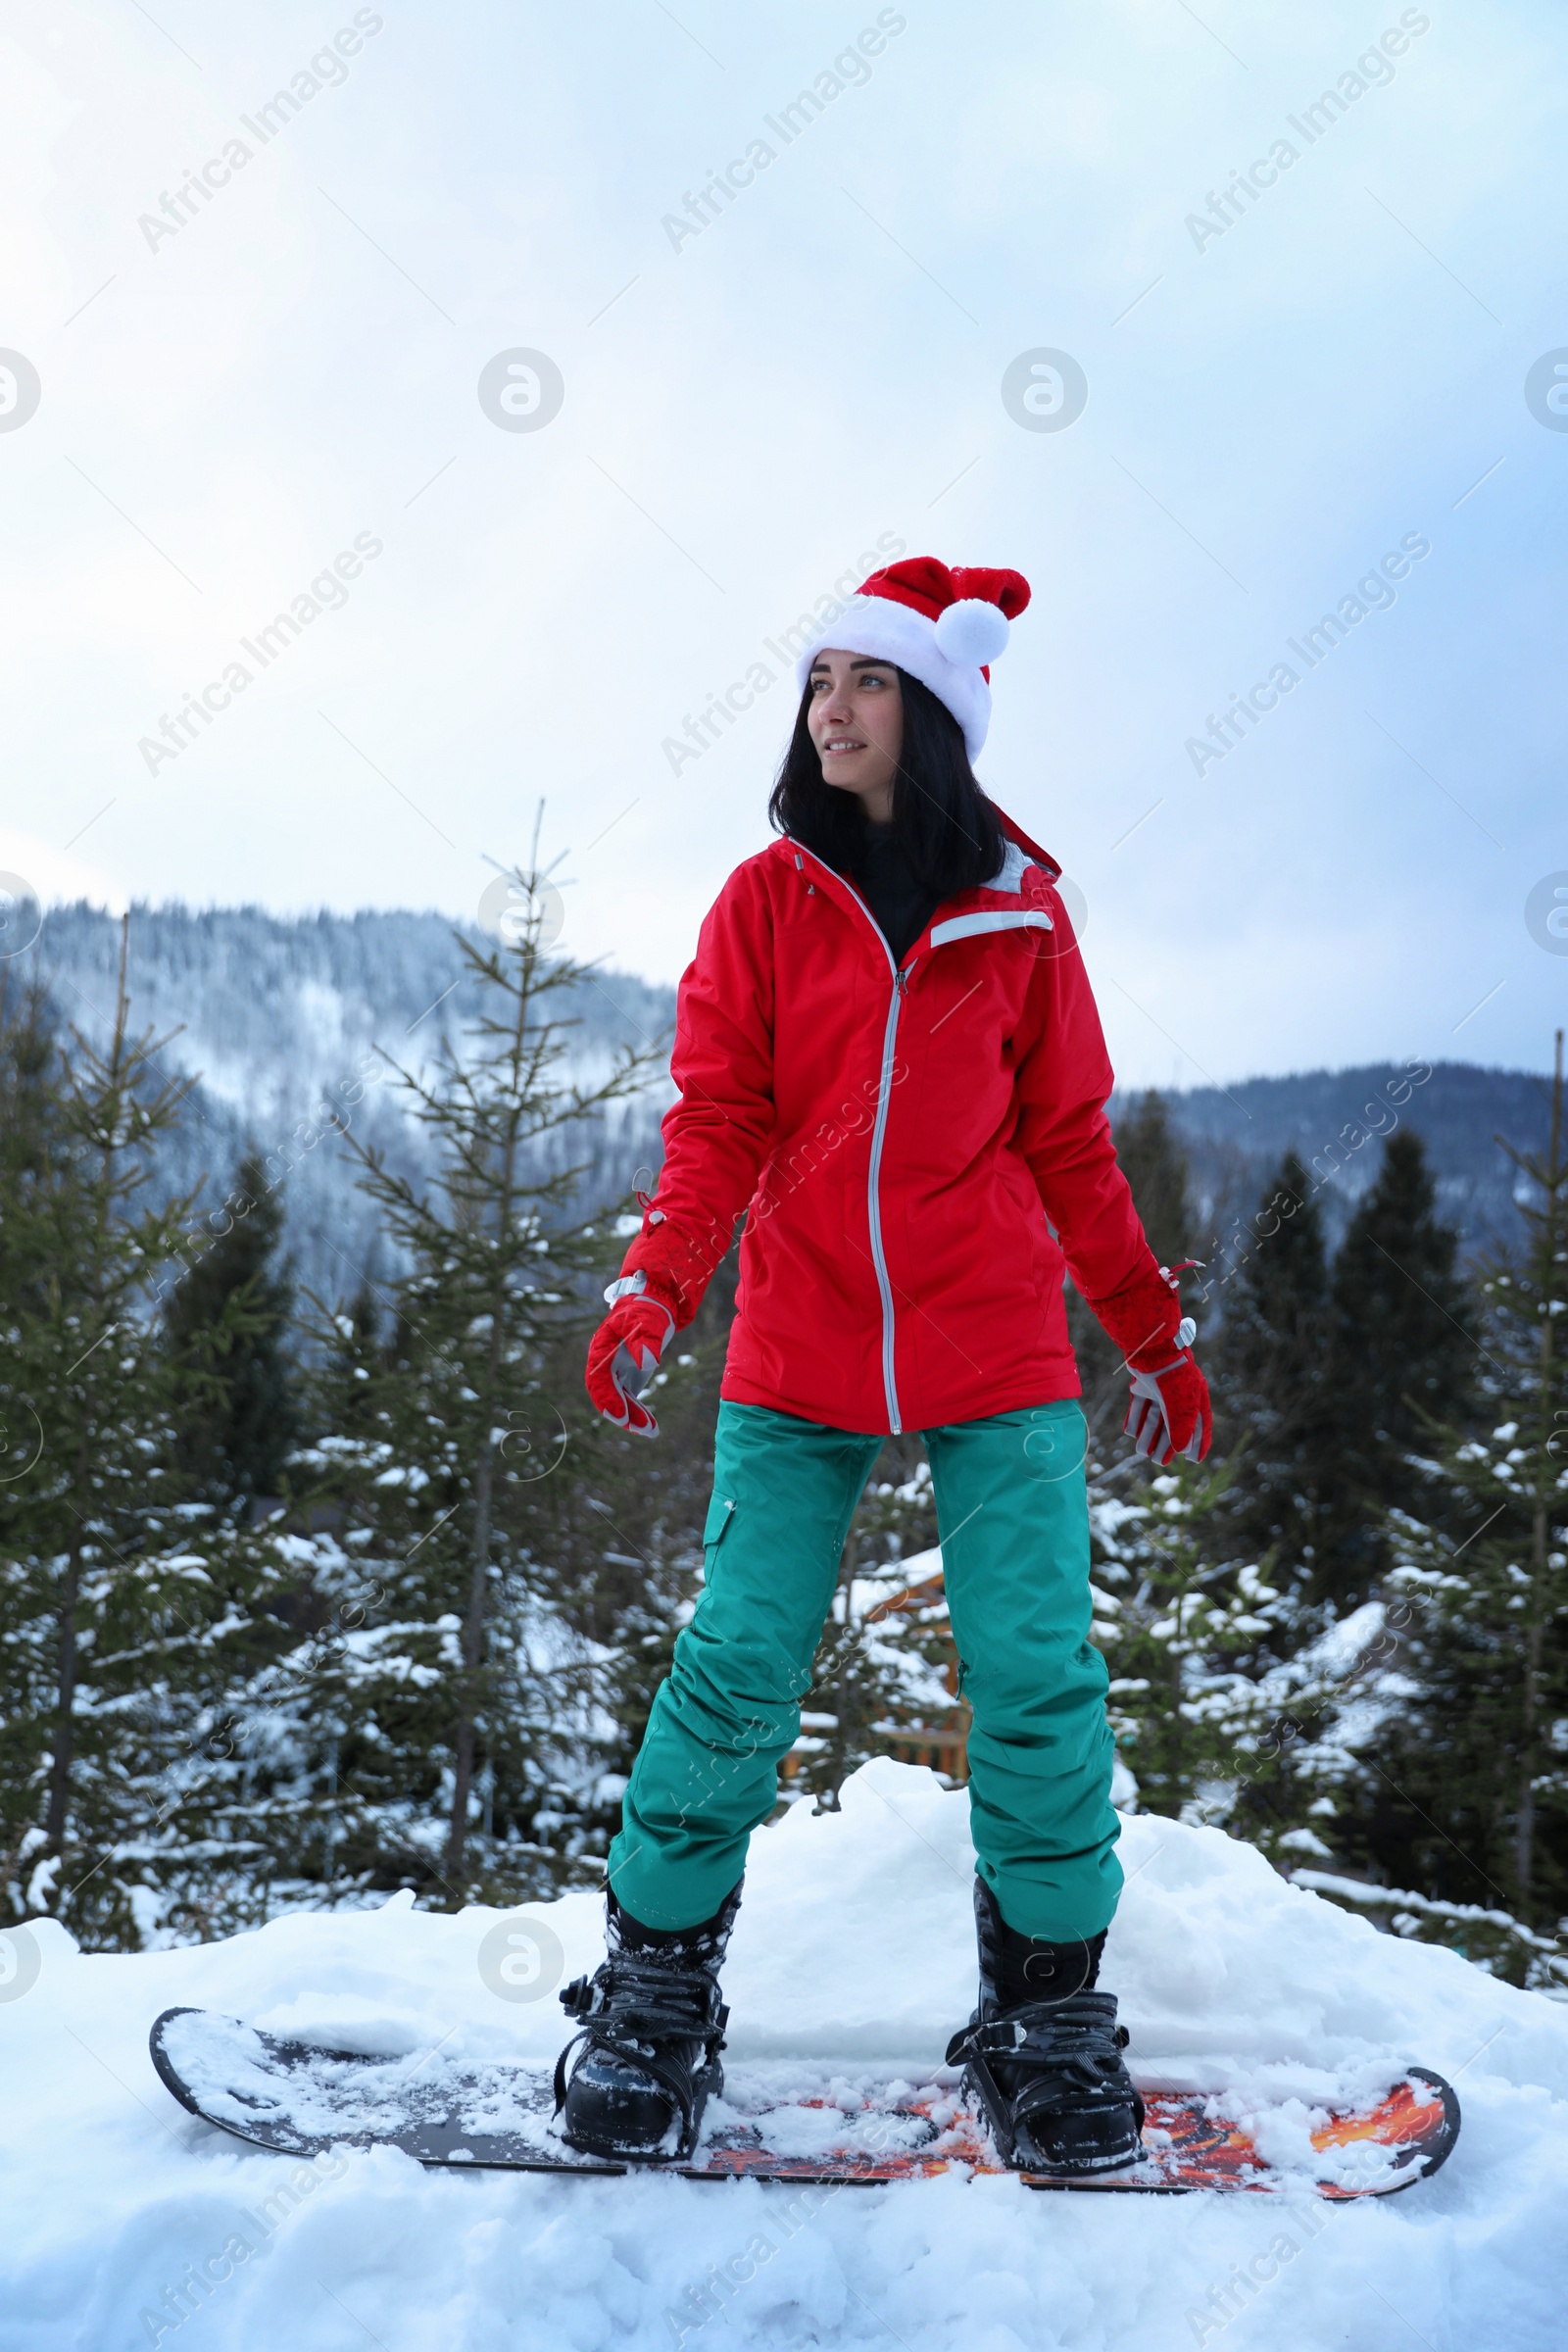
<point x="836" y="744"/>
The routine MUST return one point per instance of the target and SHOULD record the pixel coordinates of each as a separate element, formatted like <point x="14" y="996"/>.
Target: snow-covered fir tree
<point x="1270" y="1390"/>
<point x="438" y="1722"/>
<point x="232" y="1437"/>
<point x="1454" y="1765"/>
<point x="1213" y="1675"/>
<point x="115" y="1631"/>
<point x="1156" y="1168"/>
<point x="1401" y="1347"/>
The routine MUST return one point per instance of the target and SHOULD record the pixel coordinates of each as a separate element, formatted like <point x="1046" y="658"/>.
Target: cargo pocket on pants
<point x="720" y="1515"/>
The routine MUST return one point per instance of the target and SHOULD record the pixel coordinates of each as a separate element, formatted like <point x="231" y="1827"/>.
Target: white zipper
<point x="963" y="926"/>
<point x="879" y="1259"/>
<point x="873" y="1179"/>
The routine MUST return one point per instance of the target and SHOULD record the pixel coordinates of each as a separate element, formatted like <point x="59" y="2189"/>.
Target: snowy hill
<point x="277" y="1016"/>
<point x="854" y="1943"/>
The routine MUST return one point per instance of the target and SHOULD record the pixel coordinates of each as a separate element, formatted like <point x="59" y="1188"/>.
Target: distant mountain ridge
<point x="279" y="1014"/>
<point x="1332" y="1120"/>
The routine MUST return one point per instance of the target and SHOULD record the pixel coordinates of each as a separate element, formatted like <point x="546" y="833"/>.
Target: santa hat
<point x="944" y="625"/>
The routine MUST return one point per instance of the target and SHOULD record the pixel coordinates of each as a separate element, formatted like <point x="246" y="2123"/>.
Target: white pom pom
<point x="972" y="632"/>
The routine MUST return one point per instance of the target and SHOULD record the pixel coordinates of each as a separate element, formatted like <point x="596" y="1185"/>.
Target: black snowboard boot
<point x="1042" y="2053"/>
<point x="648" y="2052"/>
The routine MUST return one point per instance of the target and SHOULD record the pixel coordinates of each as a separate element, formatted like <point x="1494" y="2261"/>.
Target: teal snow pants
<point x="1012" y="1513"/>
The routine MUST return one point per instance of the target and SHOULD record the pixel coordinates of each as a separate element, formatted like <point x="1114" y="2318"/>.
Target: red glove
<point x="662" y="1278"/>
<point x="625" y="1352"/>
<point x="661" y="1287"/>
<point x="1169" y="1412"/>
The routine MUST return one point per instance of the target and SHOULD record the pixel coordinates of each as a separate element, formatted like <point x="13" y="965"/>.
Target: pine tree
<point x="109" y="1621"/>
<point x="1462" y="1757"/>
<point x="1157" y="1171"/>
<point x="455" y="1738"/>
<point x="233" y="1444"/>
<point x="1401" y="1351"/>
<point x="1209" y="1696"/>
<point x="1268" y="1374"/>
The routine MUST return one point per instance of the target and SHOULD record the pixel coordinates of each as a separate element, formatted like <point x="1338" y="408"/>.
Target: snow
<point x="854" y="1946"/>
<point x="1343" y="1647"/>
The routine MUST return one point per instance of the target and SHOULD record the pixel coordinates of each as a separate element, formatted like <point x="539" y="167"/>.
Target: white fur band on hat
<point x="945" y="654"/>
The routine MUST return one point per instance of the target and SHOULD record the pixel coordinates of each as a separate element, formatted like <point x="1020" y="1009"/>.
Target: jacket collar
<point x="1006" y="884"/>
<point x="1033" y="852"/>
<point x="1009" y="876"/>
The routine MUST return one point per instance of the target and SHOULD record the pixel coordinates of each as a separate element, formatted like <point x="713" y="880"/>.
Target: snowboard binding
<point x="1054" y="2086"/>
<point x="1046" y="2068"/>
<point x="647" y="2051"/>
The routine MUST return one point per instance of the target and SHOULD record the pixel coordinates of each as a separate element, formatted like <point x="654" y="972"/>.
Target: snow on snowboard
<point x="776" y="2120"/>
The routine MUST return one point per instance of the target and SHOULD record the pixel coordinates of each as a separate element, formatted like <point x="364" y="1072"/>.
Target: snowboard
<point x="777" y="2120"/>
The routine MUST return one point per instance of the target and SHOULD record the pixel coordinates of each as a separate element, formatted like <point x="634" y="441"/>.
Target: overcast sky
<point x="237" y="388"/>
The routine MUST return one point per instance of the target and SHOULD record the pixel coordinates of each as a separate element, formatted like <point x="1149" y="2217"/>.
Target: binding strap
<point x="630" y="2007"/>
<point x="1070" y="2063"/>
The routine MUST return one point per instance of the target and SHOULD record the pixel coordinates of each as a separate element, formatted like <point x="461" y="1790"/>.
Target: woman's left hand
<point x="1169" y="1412"/>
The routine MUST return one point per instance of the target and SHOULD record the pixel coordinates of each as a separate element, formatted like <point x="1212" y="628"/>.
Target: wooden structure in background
<point x="942" y="1746"/>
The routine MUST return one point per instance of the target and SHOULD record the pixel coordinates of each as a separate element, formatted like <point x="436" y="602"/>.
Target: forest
<point x="309" y="1596"/>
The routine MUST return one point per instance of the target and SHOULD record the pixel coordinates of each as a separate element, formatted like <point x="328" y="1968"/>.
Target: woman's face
<point x="855" y="717"/>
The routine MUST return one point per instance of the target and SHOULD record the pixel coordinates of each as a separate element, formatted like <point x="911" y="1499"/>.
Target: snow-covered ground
<point x="854" y="1942"/>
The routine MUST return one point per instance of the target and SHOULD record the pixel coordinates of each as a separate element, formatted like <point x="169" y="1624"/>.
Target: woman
<point x="888" y="1056"/>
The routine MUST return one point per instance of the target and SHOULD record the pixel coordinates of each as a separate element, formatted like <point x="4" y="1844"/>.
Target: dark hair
<point x="951" y="834"/>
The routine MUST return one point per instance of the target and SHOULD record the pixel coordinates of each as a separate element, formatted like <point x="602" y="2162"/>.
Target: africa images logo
<point x="1546" y="390"/>
<point x="20" y="390"/>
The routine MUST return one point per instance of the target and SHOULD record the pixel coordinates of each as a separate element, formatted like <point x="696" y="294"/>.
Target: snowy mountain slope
<point x="1235" y="1136"/>
<point x="854" y="1944"/>
<point x="281" y="1018"/>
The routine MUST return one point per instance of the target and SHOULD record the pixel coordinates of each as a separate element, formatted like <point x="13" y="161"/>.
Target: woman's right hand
<point x="625" y="1352"/>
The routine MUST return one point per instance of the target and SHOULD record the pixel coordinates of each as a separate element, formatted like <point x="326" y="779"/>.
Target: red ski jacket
<point x="898" y="1139"/>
